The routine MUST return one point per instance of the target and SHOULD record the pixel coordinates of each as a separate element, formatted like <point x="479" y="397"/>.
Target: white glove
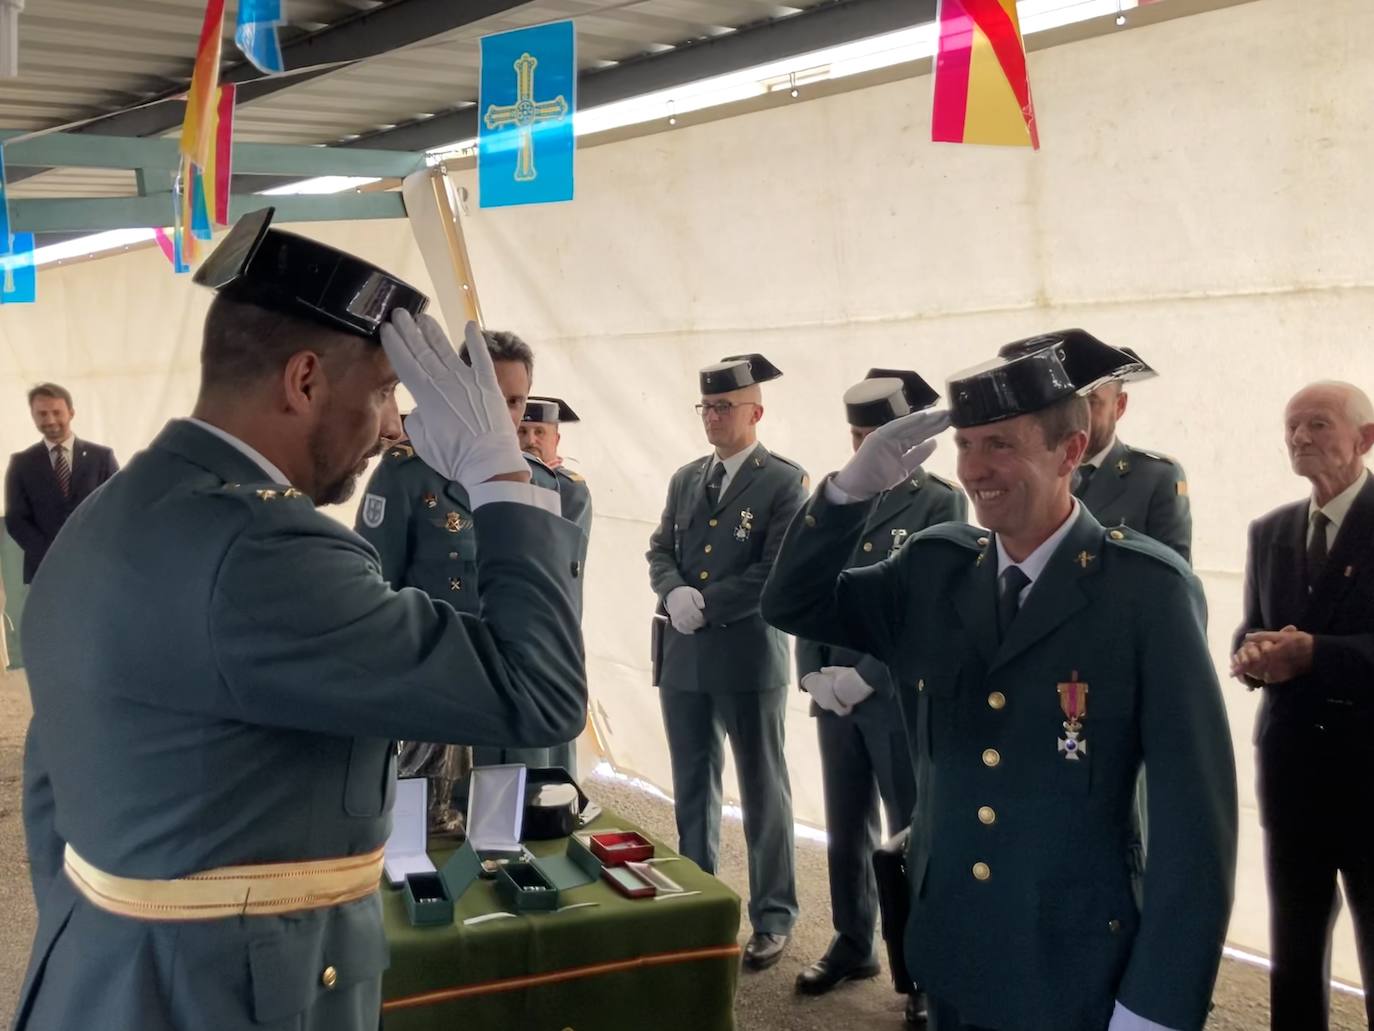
<point x="685" y="605"/>
<point x="850" y="688"/>
<point x="821" y="687"/>
<point x="890" y="454"/>
<point x="460" y="427"/>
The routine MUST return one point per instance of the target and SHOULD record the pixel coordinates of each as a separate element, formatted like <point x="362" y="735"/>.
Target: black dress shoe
<point x="764" y="949"/>
<point x="916" y="1010"/>
<point x="825" y="974"/>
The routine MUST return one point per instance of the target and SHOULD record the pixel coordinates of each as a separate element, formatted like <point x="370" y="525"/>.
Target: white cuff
<point x="511" y="490"/>
<point x="835" y="496"/>
<point x="1124" y="1020"/>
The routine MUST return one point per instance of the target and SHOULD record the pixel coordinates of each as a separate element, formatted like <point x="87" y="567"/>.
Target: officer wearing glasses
<point x="721" y="670"/>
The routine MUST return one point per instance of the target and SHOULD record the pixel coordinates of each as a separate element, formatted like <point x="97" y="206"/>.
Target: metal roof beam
<point x="816" y="28"/>
<point x="70" y="150"/>
<point x="97" y="214"/>
<point x="367" y="34"/>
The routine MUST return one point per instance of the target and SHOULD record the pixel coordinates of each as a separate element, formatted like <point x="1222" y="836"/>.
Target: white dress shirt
<point x="732" y="466"/>
<point x="69" y="446"/>
<point x="1034" y="564"/>
<point x="1336" y="510"/>
<point x="1097" y="459"/>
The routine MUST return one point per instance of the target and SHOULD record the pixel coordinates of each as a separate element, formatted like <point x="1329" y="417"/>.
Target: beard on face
<point x="334" y="481"/>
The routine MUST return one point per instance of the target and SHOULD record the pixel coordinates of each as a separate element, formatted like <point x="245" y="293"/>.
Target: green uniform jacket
<point x="1023" y="910"/>
<point x="575" y="498"/>
<point x="1143" y="491"/>
<point x="725" y="552"/>
<point x="896" y="516"/>
<point x="218" y="672"/>
<point x="421" y="524"/>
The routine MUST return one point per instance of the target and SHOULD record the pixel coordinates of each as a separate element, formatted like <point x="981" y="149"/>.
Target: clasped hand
<point x="1273" y="656"/>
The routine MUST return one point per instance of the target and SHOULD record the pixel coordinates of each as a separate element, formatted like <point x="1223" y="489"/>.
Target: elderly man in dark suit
<point x="1308" y="641"/>
<point x="46" y="482"/>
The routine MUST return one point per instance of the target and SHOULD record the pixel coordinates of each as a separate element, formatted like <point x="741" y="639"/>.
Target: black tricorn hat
<point x="1031" y="374"/>
<point x="737" y="371"/>
<point x="285" y="272"/>
<point x="887" y="394"/>
<point x="548" y="409"/>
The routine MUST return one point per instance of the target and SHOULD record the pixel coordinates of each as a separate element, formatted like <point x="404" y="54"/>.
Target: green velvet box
<point x="581" y="854"/>
<point x="428" y="903"/>
<point x="524" y="888"/>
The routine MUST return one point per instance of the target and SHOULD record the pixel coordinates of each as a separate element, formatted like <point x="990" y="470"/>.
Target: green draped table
<point x="621" y="965"/>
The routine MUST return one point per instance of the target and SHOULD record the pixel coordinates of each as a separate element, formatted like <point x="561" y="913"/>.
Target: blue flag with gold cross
<point x="525" y="142"/>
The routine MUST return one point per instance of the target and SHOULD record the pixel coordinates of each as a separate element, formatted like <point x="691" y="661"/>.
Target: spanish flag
<point x="982" y="90"/>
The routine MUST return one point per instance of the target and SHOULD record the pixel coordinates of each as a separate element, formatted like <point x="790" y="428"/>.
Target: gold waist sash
<point x="256" y="890"/>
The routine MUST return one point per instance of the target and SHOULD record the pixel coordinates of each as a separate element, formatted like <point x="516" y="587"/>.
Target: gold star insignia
<point x="267" y="495"/>
<point x="292" y="492"/>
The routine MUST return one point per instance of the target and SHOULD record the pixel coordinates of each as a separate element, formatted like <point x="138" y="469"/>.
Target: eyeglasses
<point x="721" y="408"/>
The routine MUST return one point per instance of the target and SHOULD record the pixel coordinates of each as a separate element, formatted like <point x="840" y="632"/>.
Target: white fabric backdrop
<point x="1201" y="196"/>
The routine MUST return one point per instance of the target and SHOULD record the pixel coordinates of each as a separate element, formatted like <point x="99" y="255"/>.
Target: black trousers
<point x="1302" y="868"/>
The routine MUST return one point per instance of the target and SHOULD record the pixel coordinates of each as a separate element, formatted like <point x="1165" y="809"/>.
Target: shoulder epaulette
<point x="563" y="470"/>
<point x="1151" y="454"/>
<point x="962" y="534"/>
<point x="944" y="482"/>
<point x="400" y="451"/>
<point x="1130" y="540"/>
<point x="264" y="493"/>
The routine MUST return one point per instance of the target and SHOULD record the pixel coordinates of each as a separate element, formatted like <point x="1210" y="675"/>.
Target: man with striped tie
<point x="46" y="482"/>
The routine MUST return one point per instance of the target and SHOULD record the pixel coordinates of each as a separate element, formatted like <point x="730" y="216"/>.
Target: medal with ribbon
<point x="1073" y="700"/>
<point x="746" y="525"/>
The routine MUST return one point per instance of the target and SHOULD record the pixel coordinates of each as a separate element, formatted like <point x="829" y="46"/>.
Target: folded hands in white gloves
<point x="686" y="609"/>
<point x="837" y="689"/>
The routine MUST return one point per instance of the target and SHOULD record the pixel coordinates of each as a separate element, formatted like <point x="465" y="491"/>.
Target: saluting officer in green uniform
<point x="421" y="524"/>
<point x="540" y="437"/>
<point x="1127" y="486"/>
<point x="211" y="760"/>
<point x="1049" y="657"/>
<point x="722" y="671"/>
<point x="864" y="754"/>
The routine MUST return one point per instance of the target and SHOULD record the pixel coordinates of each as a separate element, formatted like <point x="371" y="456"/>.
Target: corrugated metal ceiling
<point x="82" y="58"/>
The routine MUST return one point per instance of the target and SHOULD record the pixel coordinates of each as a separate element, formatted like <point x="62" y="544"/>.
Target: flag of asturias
<point x="982" y="89"/>
<point x="525" y="112"/>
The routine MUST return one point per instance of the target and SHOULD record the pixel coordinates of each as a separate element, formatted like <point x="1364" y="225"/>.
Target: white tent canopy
<point x="1200" y="196"/>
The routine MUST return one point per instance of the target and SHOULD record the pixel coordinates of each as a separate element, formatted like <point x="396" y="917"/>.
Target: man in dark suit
<point x="46" y="482"/>
<point x="721" y="670"/>
<point x="1308" y="641"/>
<point x="864" y="755"/>
<point x="1050" y="657"/>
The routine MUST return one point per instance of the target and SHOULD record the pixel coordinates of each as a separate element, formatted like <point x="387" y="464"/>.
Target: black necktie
<point x="1316" y="547"/>
<point x="1010" y="583"/>
<point x="713" y="483"/>
<point x="1082" y="479"/>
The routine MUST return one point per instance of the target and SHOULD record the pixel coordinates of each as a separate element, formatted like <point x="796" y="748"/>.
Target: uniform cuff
<point x="519" y="493"/>
<point x="835" y="496"/>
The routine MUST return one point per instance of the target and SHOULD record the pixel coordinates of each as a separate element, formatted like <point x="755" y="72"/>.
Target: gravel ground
<point x="766" y="1001"/>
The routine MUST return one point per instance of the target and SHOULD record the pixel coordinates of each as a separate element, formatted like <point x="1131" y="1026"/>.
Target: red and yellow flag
<point x="197" y="134"/>
<point x="982" y="90"/>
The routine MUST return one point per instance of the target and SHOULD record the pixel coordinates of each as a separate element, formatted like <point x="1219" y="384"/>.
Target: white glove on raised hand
<point x="460" y="427"/>
<point x="850" y="687"/>
<point x="685" y="607"/>
<point x="821" y="687"/>
<point x="890" y="454"/>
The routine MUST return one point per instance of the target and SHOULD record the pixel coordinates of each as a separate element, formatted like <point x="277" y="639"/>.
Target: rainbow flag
<point x="197" y="133"/>
<point x="982" y="90"/>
